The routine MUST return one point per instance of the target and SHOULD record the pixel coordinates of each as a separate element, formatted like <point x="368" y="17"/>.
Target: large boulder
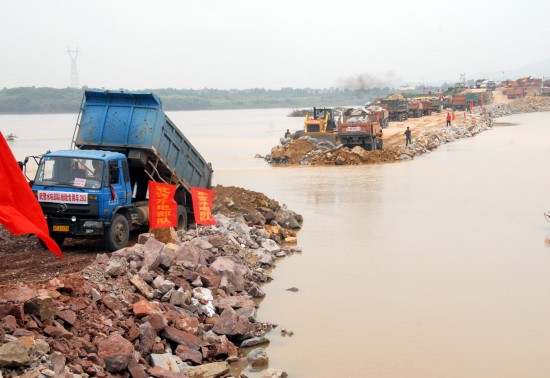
<point x="234" y="271"/>
<point x="211" y="370"/>
<point x="232" y="324"/>
<point x="14" y="354"/>
<point x="116" y="352"/>
<point x="42" y="307"/>
<point x="190" y="252"/>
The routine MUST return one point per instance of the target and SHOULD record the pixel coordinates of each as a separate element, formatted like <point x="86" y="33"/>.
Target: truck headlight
<point x="73" y="219"/>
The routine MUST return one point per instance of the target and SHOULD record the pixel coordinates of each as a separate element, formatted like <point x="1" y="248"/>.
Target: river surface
<point x="435" y="267"/>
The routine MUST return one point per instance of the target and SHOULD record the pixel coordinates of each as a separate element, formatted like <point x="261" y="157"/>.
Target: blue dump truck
<point x="99" y="188"/>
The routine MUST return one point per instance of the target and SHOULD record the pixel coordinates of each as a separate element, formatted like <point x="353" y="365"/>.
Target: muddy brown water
<point x="436" y="267"/>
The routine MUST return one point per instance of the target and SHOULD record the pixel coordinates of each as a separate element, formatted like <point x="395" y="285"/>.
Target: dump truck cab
<point x="80" y="192"/>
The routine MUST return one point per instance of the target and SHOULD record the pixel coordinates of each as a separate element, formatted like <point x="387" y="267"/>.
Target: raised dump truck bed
<point x="135" y="125"/>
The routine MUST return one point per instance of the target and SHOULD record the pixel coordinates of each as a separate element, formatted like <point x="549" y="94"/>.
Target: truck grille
<point x="67" y="210"/>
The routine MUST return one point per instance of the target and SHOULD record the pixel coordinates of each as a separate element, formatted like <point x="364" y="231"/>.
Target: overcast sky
<point x="240" y="44"/>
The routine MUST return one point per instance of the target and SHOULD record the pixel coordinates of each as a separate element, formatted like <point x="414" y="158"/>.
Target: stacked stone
<point x="179" y="307"/>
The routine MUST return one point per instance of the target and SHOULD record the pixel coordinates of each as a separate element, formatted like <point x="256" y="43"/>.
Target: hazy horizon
<point x="243" y="44"/>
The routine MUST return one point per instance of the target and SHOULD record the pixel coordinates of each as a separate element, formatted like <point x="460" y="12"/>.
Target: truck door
<point x="117" y="184"/>
<point x="126" y="184"/>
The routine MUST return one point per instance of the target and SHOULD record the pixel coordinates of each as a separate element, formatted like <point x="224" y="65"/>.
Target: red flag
<point x="202" y="205"/>
<point x="163" y="209"/>
<point x="20" y="211"/>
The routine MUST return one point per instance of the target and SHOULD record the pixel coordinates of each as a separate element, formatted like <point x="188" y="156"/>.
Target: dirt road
<point x="394" y="133"/>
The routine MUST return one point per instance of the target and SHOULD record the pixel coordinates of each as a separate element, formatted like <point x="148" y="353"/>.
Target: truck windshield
<point x="70" y="172"/>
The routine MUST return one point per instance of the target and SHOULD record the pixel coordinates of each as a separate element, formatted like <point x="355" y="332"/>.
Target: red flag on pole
<point x="202" y="205"/>
<point x="20" y="211"/>
<point x="163" y="209"/>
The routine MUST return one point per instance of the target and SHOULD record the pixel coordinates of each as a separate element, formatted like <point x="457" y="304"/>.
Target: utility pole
<point x="73" y="54"/>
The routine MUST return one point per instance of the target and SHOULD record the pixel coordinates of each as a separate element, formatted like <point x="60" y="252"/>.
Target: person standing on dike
<point x="407" y="136"/>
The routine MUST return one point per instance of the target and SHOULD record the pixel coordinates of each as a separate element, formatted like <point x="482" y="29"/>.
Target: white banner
<point x="63" y="197"/>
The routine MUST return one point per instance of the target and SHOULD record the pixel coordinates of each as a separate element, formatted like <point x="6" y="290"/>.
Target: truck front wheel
<point x="117" y="235"/>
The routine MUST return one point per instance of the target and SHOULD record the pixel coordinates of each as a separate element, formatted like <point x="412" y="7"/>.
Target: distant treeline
<point x="29" y="100"/>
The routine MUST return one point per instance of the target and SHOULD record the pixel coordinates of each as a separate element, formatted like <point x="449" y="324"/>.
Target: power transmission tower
<point x="462" y="80"/>
<point x="73" y="54"/>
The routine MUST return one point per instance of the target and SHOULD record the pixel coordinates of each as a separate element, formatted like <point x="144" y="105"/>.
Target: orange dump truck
<point x="458" y="102"/>
<point x="415" y="109"/>
<point x="356" y="127"/>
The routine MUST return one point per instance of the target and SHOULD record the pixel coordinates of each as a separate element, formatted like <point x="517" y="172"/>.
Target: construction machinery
<point x="437" y="104"/>
<point x="427" y="107"/>
<point x="517" y="88"/>
<point x="378" y="114"/>
<point x="415" y="109"/>
<point x="356" y="127"/>
<point x="99" y="189"/>
<point x="398" y="109"/>
<point x="458" y="102"/>
<point x="322" y="120"/>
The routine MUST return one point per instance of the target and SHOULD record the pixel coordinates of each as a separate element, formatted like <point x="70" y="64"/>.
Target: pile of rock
<point x="181" y="307"/>
<point x="292" y="151"/>
<point x="523" y="105"/>
<point x="395" y="96"/>
<point x="350" y="156"/>
<point x="433" y="139"/>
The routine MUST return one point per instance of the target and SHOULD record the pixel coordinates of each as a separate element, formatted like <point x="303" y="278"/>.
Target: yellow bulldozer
<point x="322" y="120"/>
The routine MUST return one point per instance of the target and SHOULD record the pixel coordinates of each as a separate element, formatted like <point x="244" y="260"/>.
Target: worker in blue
<point x="407" y="136"/>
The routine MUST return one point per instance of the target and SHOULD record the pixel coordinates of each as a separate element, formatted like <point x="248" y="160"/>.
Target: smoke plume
<point x="365" y="81"/>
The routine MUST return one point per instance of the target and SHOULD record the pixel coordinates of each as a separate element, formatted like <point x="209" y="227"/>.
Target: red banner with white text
<point x="202" y="205"/>
<point x="163" y="209"/>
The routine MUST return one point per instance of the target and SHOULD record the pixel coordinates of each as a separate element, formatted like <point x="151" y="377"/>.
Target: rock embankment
<point x="308" y="151"/>
<point x="178" y="305"/>
<point x="428" y="135"/>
